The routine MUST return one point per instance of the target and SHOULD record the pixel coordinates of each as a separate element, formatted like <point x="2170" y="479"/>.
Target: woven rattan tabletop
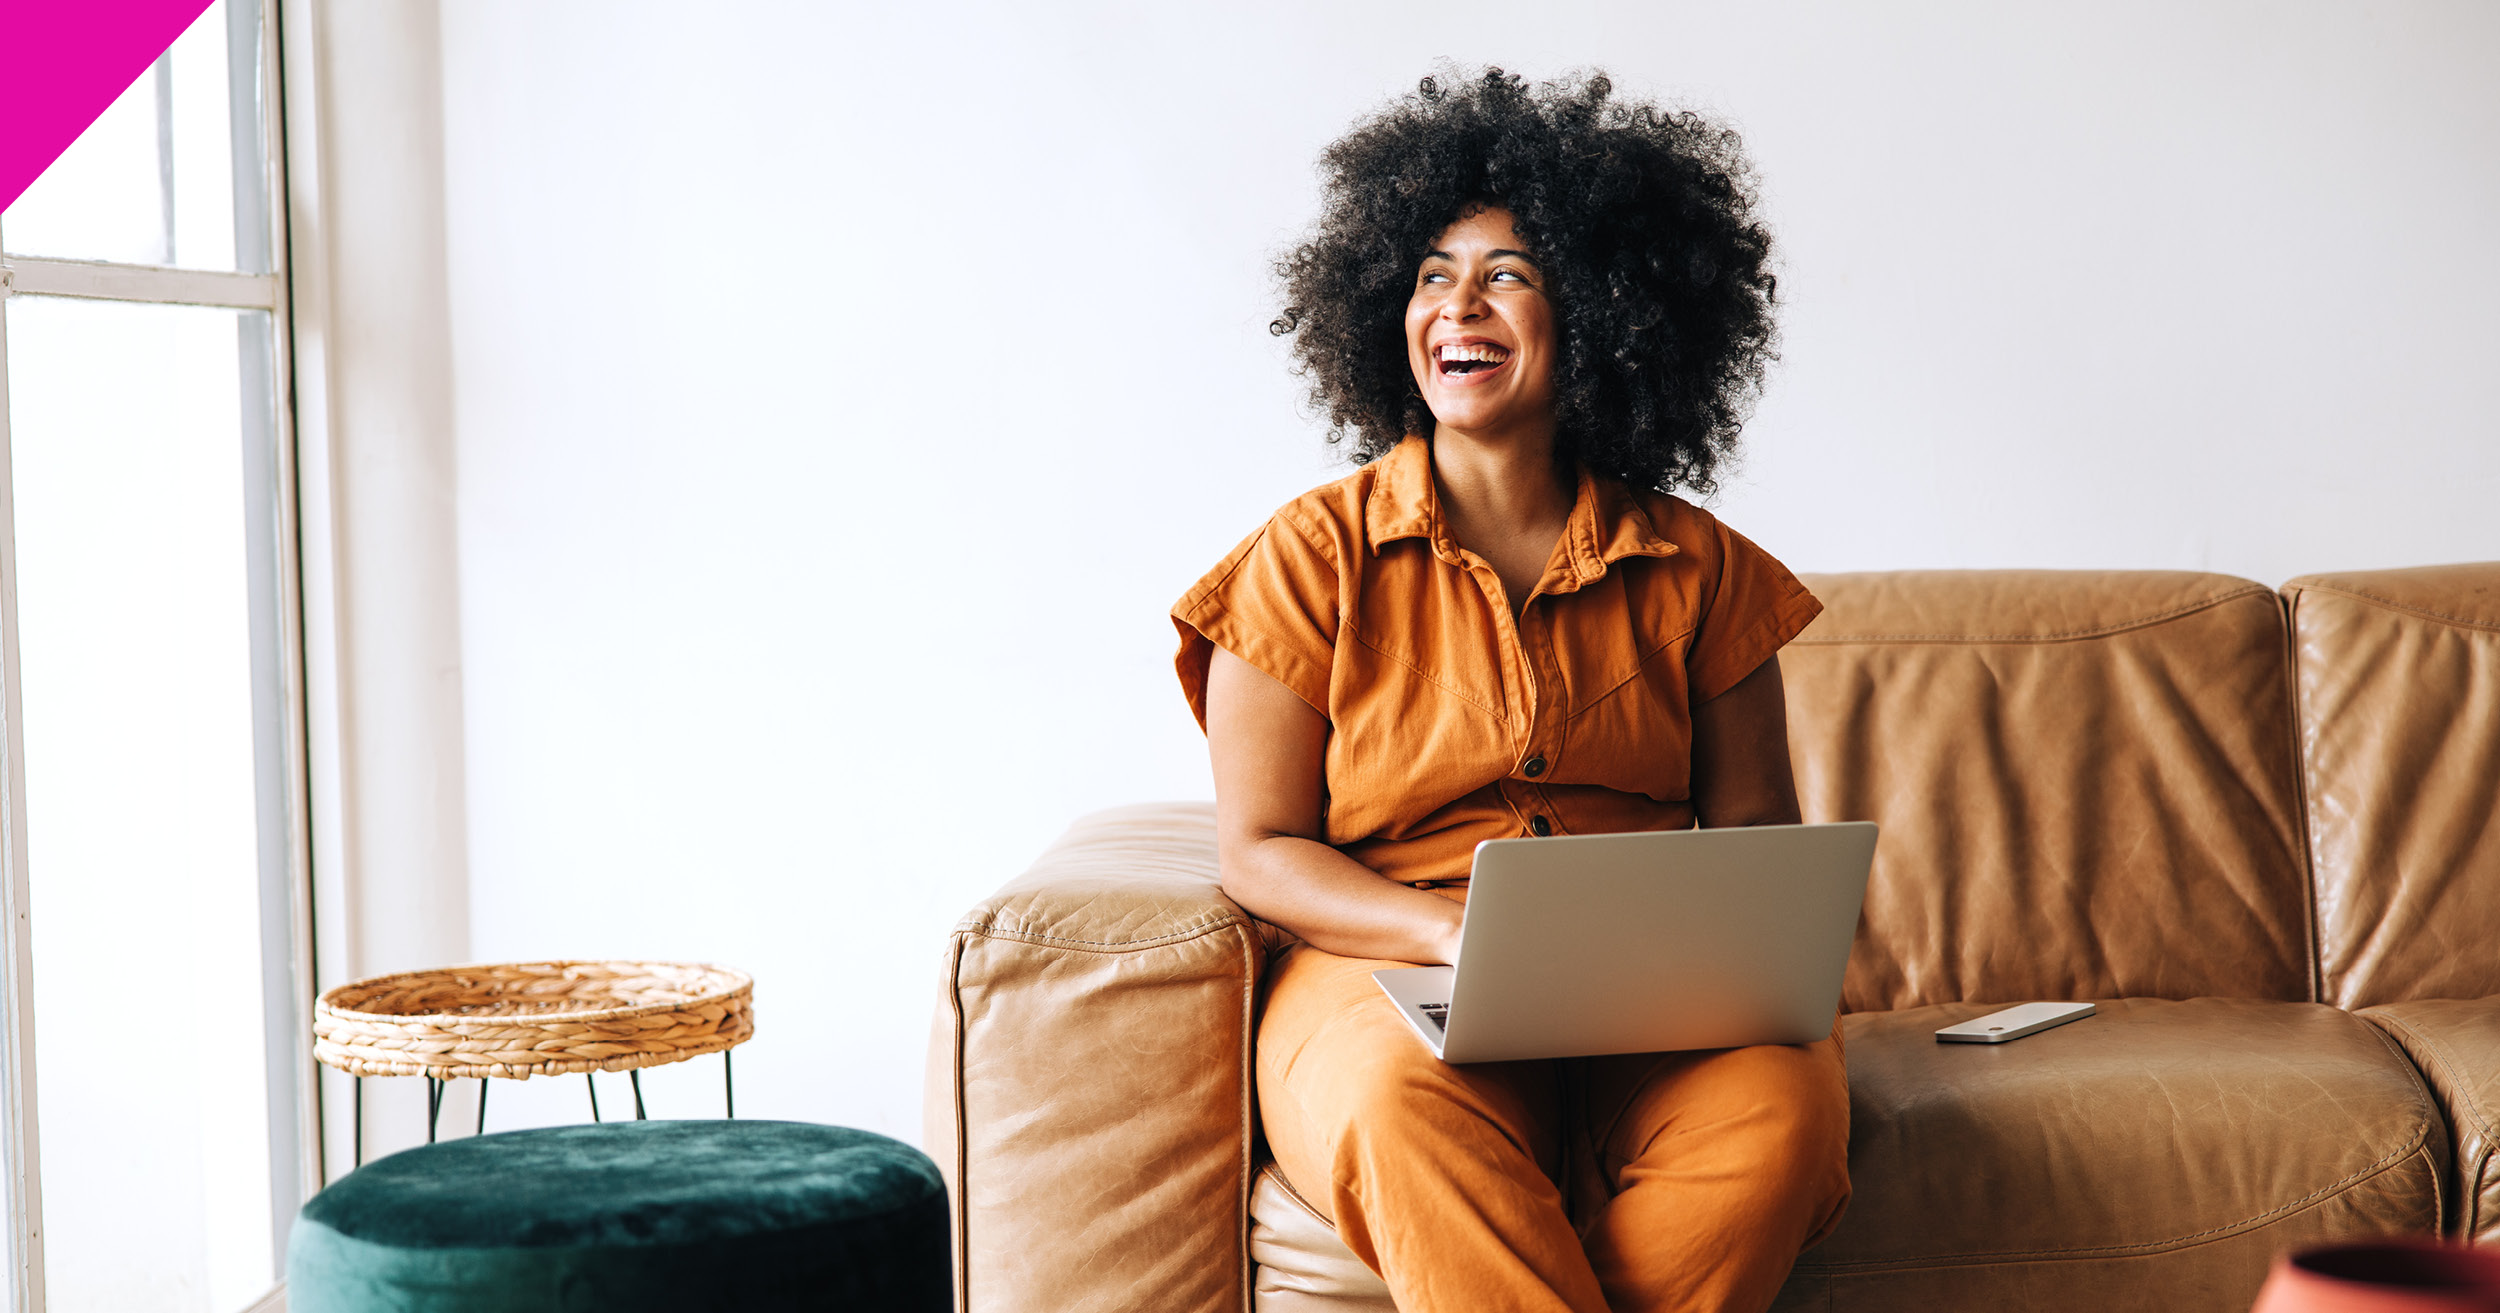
<point x="523" y="1019"/>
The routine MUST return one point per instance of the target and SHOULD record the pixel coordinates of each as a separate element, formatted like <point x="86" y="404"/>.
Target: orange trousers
<point x="1695" y="1178"/>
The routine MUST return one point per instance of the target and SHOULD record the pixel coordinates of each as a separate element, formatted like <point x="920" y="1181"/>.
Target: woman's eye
<point x="1511" y="274"/>
<point x="1435" y="276"/>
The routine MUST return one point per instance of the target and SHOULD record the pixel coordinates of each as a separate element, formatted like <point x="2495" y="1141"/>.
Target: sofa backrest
<point x="2086" y="782"/>
<point x="2398" y="674"/>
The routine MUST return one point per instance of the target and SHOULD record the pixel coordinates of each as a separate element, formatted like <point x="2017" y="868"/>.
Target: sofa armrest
<point x="1090" y="1082"/>
<point x="2455" y="1044"/>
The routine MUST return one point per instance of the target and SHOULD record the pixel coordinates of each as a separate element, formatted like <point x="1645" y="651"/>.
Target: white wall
<point x="844" y="392"/>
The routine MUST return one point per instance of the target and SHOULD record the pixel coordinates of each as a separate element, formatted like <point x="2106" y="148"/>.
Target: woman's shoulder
<point x="1725" y="568"/>
<point x="1300" y="550"/>
<point x="1330" y="520"/>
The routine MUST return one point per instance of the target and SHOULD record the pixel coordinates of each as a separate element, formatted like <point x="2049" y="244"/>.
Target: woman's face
<point x="1479" y="331"/>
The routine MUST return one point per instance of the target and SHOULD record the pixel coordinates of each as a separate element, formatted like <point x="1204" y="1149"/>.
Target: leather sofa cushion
<point x="2456" y="1044"/>
<point x="2156" y="1155"/>
<point x="2399" y="679"/>
<point x="2086" y="782"/>
<point x="1303" y="1266"/>
<point x="1089" y="1094"/>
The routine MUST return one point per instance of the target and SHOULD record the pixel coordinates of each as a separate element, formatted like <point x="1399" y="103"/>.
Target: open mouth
<point x="1460" y="359"/>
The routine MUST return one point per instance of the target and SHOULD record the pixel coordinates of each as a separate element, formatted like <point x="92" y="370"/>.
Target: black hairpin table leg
<point x="728" y="1088"/>
<point x="434" y="1091"/>
<point x="481" y="1104"/>
<point x="634" y="1075"/>
<point x="594" y="1095"/>
<point x="360" y="1119"/>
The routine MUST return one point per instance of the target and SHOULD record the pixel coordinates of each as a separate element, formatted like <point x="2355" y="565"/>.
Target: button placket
<point x="1519" y="679"/>
<point x="1536" y="642"/>
<point x="1543" y="739"/>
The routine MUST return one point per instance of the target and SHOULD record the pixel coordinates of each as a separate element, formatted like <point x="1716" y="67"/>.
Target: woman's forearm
<point x="1266" y="745"/>
<point x="1337" y="904"/>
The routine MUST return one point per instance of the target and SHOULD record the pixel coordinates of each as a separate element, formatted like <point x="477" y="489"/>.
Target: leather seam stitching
<point x="2149" y="1247"/>
<point x="991" y="930"/>
<point x="2446" y="1059"/>
<point x="2432" y="1114"/>
<point x="2439" y="1187"/>
<point x="2312" y="931"/>
<point x="2199" y="1241"/>
<point x="963" y="1158"/>
<point x="2067" y="636"/>
<point x="2462" y="622"/>
<point x="2473" y="1219"/>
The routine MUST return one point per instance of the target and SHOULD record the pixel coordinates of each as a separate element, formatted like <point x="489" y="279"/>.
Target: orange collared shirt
<point x="1449" y="723"/>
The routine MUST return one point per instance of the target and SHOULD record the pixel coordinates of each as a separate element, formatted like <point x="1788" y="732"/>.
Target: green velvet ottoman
<point x="749" y="1215"/>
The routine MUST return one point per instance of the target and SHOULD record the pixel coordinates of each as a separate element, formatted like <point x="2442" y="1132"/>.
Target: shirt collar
<point x="1607" y="523"/>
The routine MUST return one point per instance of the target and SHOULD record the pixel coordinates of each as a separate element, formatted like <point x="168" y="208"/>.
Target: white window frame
<point x="276" y="599"/>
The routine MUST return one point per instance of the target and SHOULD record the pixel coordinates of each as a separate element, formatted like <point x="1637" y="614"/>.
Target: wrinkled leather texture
<point x="2155" y="1156"/>
<point x="1303" y="1267"/>
<point x="1090" y="1089"/>
<point x="2456" y="1045"/>
<point x="2399" y="676"/>
<point x="2085" y="779"/>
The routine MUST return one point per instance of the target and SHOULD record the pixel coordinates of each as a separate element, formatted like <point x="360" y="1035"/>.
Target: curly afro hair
<point x="1641" y="220"/>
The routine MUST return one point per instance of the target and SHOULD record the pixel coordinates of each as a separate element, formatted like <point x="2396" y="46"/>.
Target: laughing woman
<point x="1533" y="311"/>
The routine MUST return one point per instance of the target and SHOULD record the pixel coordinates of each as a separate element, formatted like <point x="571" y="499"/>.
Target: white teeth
<point x="1485" y="351"/>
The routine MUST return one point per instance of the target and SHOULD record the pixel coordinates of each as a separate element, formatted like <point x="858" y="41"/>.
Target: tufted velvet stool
<point x="752" y="1215"/>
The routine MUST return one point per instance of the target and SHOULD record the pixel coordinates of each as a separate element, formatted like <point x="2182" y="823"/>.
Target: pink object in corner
<point x="2389" y="1277"/>
<point x="66" y="62"/>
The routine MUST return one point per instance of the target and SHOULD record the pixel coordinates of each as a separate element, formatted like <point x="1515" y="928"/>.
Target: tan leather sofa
<point x="2261" y="828"/>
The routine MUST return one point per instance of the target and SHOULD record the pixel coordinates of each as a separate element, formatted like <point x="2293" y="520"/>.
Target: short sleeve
<point x="1273" y="603"/>
<point x="1755" y="607"/>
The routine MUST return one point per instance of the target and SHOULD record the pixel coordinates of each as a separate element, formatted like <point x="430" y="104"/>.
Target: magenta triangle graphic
<point x="63" y="62"/>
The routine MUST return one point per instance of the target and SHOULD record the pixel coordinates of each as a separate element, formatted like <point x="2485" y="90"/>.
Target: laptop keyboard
<point x="1440" y="1014"/>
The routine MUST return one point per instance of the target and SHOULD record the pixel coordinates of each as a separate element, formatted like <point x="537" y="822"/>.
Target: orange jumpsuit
<point x="1645" y="1182"/>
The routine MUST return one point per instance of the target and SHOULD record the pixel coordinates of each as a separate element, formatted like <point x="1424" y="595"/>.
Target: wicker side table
<point x="521" y="1019"/>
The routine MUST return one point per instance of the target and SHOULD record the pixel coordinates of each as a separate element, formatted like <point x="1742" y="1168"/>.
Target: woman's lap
<point x="1347" y="1092"/>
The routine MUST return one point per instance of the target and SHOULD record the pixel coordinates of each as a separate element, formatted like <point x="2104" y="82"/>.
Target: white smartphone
<point x="2014" y="1023"/>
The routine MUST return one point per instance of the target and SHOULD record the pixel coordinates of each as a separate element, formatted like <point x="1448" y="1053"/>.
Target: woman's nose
<point x="1464" y="305"/>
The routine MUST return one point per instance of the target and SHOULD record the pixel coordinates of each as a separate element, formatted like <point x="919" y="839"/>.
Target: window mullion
<point x="154" y="284"/>
<point x="18" y="1136"/>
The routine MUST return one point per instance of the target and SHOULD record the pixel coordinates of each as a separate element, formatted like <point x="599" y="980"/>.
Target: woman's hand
<point x="1268" y="748"/>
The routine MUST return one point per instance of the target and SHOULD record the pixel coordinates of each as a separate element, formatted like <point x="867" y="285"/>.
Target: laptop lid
<point x="1656" y="941"/>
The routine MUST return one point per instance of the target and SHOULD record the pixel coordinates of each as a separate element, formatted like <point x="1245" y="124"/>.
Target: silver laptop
<point x="1645" y="943"/>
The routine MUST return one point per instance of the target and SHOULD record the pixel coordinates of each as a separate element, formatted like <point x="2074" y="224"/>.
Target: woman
<point x="1532" y="310"/>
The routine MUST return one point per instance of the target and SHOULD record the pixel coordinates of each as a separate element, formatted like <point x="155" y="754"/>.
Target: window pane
<point x="153" y="181"/>
<point x="127" y="437"/>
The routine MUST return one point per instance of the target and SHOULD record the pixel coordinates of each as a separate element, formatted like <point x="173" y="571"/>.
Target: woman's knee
<point x="1785" y="1109"/>
<point x="1797" y="1132"/>
<point x="1810" y="1092"/>
<point x="1800" y="1111"/>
